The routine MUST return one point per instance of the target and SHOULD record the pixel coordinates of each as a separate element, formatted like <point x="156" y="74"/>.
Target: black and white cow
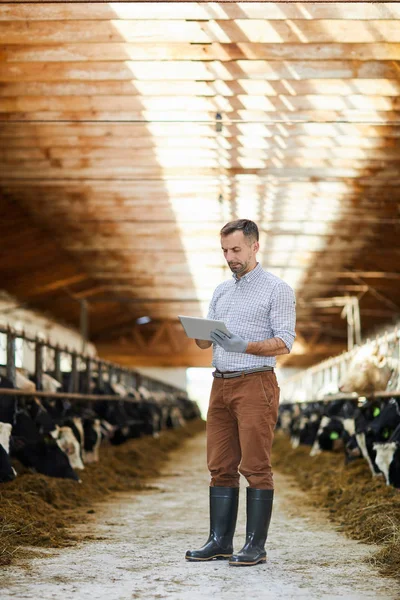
<point x="335" y="428"/>
<point x="92" y="439"/>
<point x="375" y="423"/>
<point x="38" y="451"/>
<point x="7" y="473"/>
<point x="388" y="458"/>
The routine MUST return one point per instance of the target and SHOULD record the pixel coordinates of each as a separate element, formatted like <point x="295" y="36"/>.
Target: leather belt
<point x="231" y="374"/>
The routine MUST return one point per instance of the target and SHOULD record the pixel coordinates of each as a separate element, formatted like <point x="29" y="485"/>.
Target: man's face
<point x="239" y="252"/>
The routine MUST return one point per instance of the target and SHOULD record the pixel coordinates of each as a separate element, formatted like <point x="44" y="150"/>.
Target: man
<point x="258" y="310"/>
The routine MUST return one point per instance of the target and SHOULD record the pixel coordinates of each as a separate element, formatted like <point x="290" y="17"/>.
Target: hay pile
<point x="364" y="506"/>
<point x="36" y="510"/>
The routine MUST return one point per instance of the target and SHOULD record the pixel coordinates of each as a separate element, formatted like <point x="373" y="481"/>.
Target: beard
<point x="238" y="267"/>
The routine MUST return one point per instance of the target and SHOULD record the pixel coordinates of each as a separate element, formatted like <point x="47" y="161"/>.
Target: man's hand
<point x="231" y="343"/>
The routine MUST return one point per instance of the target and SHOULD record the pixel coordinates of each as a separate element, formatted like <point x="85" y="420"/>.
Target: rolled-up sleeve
<point x="283" y="314"/>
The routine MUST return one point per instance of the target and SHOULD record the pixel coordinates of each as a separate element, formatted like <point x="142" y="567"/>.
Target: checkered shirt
<point x="256" y="306"/>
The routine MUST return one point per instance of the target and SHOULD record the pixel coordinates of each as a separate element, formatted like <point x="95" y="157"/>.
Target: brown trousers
<point x="240" y="428"/>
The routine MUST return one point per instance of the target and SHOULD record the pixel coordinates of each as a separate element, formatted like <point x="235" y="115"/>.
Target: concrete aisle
<point x="142" y="538"/>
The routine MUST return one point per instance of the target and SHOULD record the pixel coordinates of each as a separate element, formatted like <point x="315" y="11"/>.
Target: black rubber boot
<point x="224" y="503"/>
<point x="259" y="509"/>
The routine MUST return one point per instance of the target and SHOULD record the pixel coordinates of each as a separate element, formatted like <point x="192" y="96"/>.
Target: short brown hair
<point x="249" y="228"/>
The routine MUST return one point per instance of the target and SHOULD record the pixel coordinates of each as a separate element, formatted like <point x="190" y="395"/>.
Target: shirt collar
<point x="250" y="276"/>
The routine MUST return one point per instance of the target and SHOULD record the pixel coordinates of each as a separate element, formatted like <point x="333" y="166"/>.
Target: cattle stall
<point x="54" y="416"/>
<point x="350" y="403"/>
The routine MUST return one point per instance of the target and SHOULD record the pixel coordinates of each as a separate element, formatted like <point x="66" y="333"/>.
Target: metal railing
<point x="321" y="382"/>
<point x="48" y="358"/>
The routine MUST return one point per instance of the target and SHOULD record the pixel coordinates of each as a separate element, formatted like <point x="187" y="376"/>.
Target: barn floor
<point x="139" y="539"/>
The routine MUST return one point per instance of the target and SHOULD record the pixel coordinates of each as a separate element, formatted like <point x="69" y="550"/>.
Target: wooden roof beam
<point x="49" y="10"/>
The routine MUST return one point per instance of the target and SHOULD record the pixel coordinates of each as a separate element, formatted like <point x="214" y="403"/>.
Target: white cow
<point x="369" y="371"/>
<point x="384" y="457"/>
<point x="5" y="433"/>
<point x="68" y="443"/>
<point x="21" y="379"/>
<point x="50" y="384"/>
<point x="7" y="471"/>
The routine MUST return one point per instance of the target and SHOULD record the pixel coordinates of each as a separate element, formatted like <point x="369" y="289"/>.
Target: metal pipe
<point x="11" y="372"/>
<point x="74" y="383"/>
<point x="102" y="364"/>
<point x="100" y="380"/>
<point x="88" y="375"/>
<point x="84" y="323"/>
<point x="57" y="364"/>
<point x="350" y="326"/>
<point x="357" y="320"/>
<point x="69" y="395"/>
<point x="39" y="364"/>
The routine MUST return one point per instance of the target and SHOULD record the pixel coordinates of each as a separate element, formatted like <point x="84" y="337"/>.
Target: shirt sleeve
<point x="211" y="308"/>
<point x="283" y="314"/>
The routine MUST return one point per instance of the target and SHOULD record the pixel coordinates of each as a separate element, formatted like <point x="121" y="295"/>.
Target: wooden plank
<point x="113" y="51"/>
<point x="51" y="10"/>
<point x="192" y="70"/>
<point x="366" y="87"/>
<point x="123" y="166"/>
<point x="195" y="152"/>
<point x="190" y="130"/>
<point x="194" y="213"/>
<point x="160" y="250"/>
<point x="139" y="229"/>
<point x="382" y="177"/>
<point x="183" y="274"/>
<point x="193" y="103"/>
<point x="192" y="210"/>
<point x="76" y="213"/>
<point x="57" y="146"/>
<point x="322" y="31"/>
<point x="303" y="185"/>
<point x="185" y="116"/>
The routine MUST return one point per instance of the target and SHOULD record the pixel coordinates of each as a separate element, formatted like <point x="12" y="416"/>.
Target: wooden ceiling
<point x="131" y="132"/>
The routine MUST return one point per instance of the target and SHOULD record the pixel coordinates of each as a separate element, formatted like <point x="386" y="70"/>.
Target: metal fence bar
<point x="57" y="364"/>
<point x="308" y="385"/>
<point x="69" y="395"/>
<point x="11" y="372"/>
<point x="74" y="384"/>
<point x="100" y="380"/>
<point x="88" y="375"/>
<point x="39" y="365"/>
<point x="102" y="365"/>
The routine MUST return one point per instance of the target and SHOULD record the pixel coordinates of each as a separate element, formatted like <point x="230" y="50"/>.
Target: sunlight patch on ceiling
<point x="294" y="208"/>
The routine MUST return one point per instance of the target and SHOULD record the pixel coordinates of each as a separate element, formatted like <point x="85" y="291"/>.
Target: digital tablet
<point x="200" y="329"/>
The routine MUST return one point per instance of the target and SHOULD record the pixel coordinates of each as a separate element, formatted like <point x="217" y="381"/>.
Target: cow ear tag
<point x="376" y="411"/>
<point x="334" y="435"/>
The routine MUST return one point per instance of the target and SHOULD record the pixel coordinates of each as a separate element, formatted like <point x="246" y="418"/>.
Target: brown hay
<point x="36" y="510"/>
<point x="364" y="506"/>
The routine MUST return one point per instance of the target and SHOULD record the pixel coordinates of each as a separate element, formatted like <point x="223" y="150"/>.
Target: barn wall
<point x="36" y="324"/>
<point x="283" y="373"/>
<point x="171" y="375"/>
